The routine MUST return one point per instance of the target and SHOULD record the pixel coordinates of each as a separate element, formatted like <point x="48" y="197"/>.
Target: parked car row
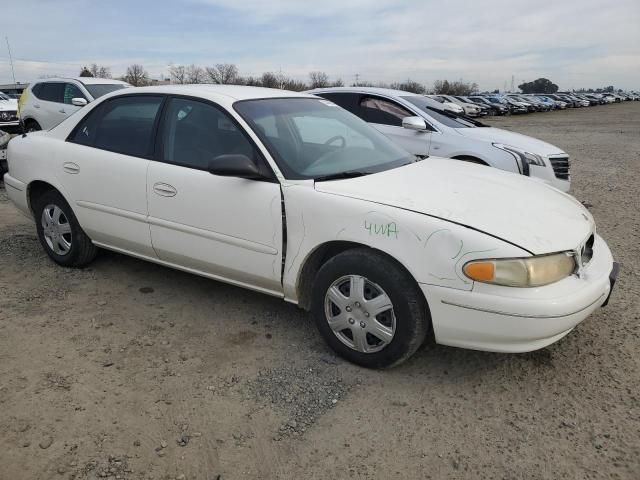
<point x="479" y="105"/>
<point x="347" y="212"/>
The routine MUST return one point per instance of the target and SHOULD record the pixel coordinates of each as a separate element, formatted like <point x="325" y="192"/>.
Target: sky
<point x="574" y="43"/>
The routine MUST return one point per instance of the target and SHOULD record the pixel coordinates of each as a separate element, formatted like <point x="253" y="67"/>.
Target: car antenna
<point x="13" y="74"/>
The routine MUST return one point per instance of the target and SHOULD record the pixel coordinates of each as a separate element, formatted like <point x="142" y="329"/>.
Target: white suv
<point x="44" y="104"/>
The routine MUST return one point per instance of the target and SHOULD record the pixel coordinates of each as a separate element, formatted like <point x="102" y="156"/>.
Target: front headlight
<point x="522" y="272"/>
<point x="525" y="158"/>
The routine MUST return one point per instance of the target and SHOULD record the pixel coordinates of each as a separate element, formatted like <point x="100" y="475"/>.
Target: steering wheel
<point x="337" y="137"/>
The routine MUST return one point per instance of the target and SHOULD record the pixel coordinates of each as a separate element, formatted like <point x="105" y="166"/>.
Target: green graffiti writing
<point x="383" y="229"/>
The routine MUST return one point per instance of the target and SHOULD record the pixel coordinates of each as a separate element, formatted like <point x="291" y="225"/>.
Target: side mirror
<point x="79" y="102"/>
<point x="234" y="165"/>
<point x="414" y="123"/>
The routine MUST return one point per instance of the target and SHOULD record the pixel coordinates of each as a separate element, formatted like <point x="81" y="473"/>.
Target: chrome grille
<point x="560" y="167"/>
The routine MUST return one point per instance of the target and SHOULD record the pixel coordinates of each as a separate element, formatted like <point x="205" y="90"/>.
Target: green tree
<point x="541" y="85"/>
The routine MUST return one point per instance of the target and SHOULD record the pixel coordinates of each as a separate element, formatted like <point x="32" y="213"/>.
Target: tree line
<point x="228" y="74"/>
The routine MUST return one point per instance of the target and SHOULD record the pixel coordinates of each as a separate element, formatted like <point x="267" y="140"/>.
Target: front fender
<point x="432" y="250"/>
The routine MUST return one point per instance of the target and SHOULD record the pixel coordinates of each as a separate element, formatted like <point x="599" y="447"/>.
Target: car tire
<point x="381" y="280"/>
<point x="60" y="233"/>
<point x="32" y="126"/>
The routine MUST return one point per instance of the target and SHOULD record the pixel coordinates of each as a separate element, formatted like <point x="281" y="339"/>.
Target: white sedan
<point x="290" y="195"/>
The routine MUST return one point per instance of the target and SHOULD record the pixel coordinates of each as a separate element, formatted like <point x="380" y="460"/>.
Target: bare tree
<point x="178" y="74"/>
<point x="269" y="80"/>
<point x="318" y="79"/>
<point x="445" y="87"/>
<point x="294" y="85"/>
<point x="136" y="75"/>
<point x="337" y="83"/>
<point x="85" y="72"/>
<point x="100" y="71"/>
<point x="409" y="86"/>
<point x="223" y="73"/>
<point x="195" y="74"/>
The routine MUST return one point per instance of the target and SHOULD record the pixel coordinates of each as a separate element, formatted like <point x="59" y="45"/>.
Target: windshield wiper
<point x="341" y="175"/>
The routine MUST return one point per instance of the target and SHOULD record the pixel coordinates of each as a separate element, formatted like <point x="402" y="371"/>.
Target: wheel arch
<point x="324" y="252"/>
<point x="37" y="188"/>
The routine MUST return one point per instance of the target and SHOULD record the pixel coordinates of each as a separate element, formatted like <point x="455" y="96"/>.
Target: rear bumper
<point x="504" y="319"/>
<point x="17" y="193"/>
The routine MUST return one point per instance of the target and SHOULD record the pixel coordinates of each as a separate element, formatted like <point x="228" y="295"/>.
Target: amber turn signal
<point x="480" y="271"/>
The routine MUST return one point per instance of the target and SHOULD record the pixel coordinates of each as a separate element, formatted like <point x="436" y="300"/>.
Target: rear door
<point x="226" y="227"/>
<point x="104" y="171"/>
<point x="49" y="104"/>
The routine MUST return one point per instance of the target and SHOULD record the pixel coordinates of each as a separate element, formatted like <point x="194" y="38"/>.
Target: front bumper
<point x="507" y="319"/>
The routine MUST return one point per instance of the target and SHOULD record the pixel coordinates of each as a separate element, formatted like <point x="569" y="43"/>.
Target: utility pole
<point x="13" y="73"/>
<point x="357" y="75"/>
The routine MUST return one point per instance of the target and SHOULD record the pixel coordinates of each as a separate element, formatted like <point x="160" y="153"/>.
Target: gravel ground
<point x="128" y="370"/>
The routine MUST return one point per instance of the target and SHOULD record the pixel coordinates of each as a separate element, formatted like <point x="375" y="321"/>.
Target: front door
<point x="386" y="116"/>
<point x="225" y="227"/>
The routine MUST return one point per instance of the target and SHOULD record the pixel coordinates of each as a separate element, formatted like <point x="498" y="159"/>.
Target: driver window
<point x="385" y="112"/>
<point x="197" y="132"/>
<point x="71" y="91"/>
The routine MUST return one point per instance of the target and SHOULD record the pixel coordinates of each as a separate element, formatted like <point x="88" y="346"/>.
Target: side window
<point x="123" y="125"/>
<point x="51" y="92"/>
<point x="385" y="112"/>
<point x="36" y="89"/>
<point x="196" y="132"/>
<point x="348" y="101"/>
<point x="85" y="131"/>
<point x="71" y="91"/>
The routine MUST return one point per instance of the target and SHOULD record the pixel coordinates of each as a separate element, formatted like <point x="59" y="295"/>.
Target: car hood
<point x="514" y="208"/>
<point x="497" y="135"/>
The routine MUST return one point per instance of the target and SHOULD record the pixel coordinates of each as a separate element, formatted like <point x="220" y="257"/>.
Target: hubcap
<point x="360" y="314"/>
<point x="56" y="229"/>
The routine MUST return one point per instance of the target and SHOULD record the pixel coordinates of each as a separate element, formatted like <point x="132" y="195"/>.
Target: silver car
<point x="422" y="127"/>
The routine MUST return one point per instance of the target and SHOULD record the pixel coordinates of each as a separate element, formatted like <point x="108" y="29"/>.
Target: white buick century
<point x="292" y="196"/>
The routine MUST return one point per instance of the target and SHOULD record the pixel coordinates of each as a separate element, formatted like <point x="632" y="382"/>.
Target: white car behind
<point x="434" y="132"/>
<point x="45" y="103"/>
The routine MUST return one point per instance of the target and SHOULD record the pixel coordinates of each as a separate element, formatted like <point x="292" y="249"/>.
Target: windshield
<point x="312" y="138"/>
<point x="99" y="89"/>
<point x="445" y="117"/>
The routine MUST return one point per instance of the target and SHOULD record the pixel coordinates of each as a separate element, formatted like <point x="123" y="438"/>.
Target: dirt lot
<point x="130" y="370"/>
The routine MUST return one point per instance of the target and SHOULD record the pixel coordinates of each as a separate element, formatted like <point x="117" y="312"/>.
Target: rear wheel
<point x="369" y="309"/>
<point x="59" y="232"/>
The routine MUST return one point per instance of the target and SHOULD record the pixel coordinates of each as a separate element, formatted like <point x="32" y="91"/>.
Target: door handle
<point x="71" y="168"/>
<point x="36" y="106"/>
<point x="62" y="110"/>
<point x="164" y="189"/>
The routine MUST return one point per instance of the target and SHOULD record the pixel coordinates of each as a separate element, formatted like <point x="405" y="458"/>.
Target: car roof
<point x="233" y="92"/>
<point x="372" y="90"/>
<point x="85" y="80"/>
<point x="225" y="95"/>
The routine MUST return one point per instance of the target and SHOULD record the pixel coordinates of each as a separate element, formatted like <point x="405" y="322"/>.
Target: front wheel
<point x="369" y="309"/>
<point x="60" y="233"/>
<point x="32" y="126"/>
